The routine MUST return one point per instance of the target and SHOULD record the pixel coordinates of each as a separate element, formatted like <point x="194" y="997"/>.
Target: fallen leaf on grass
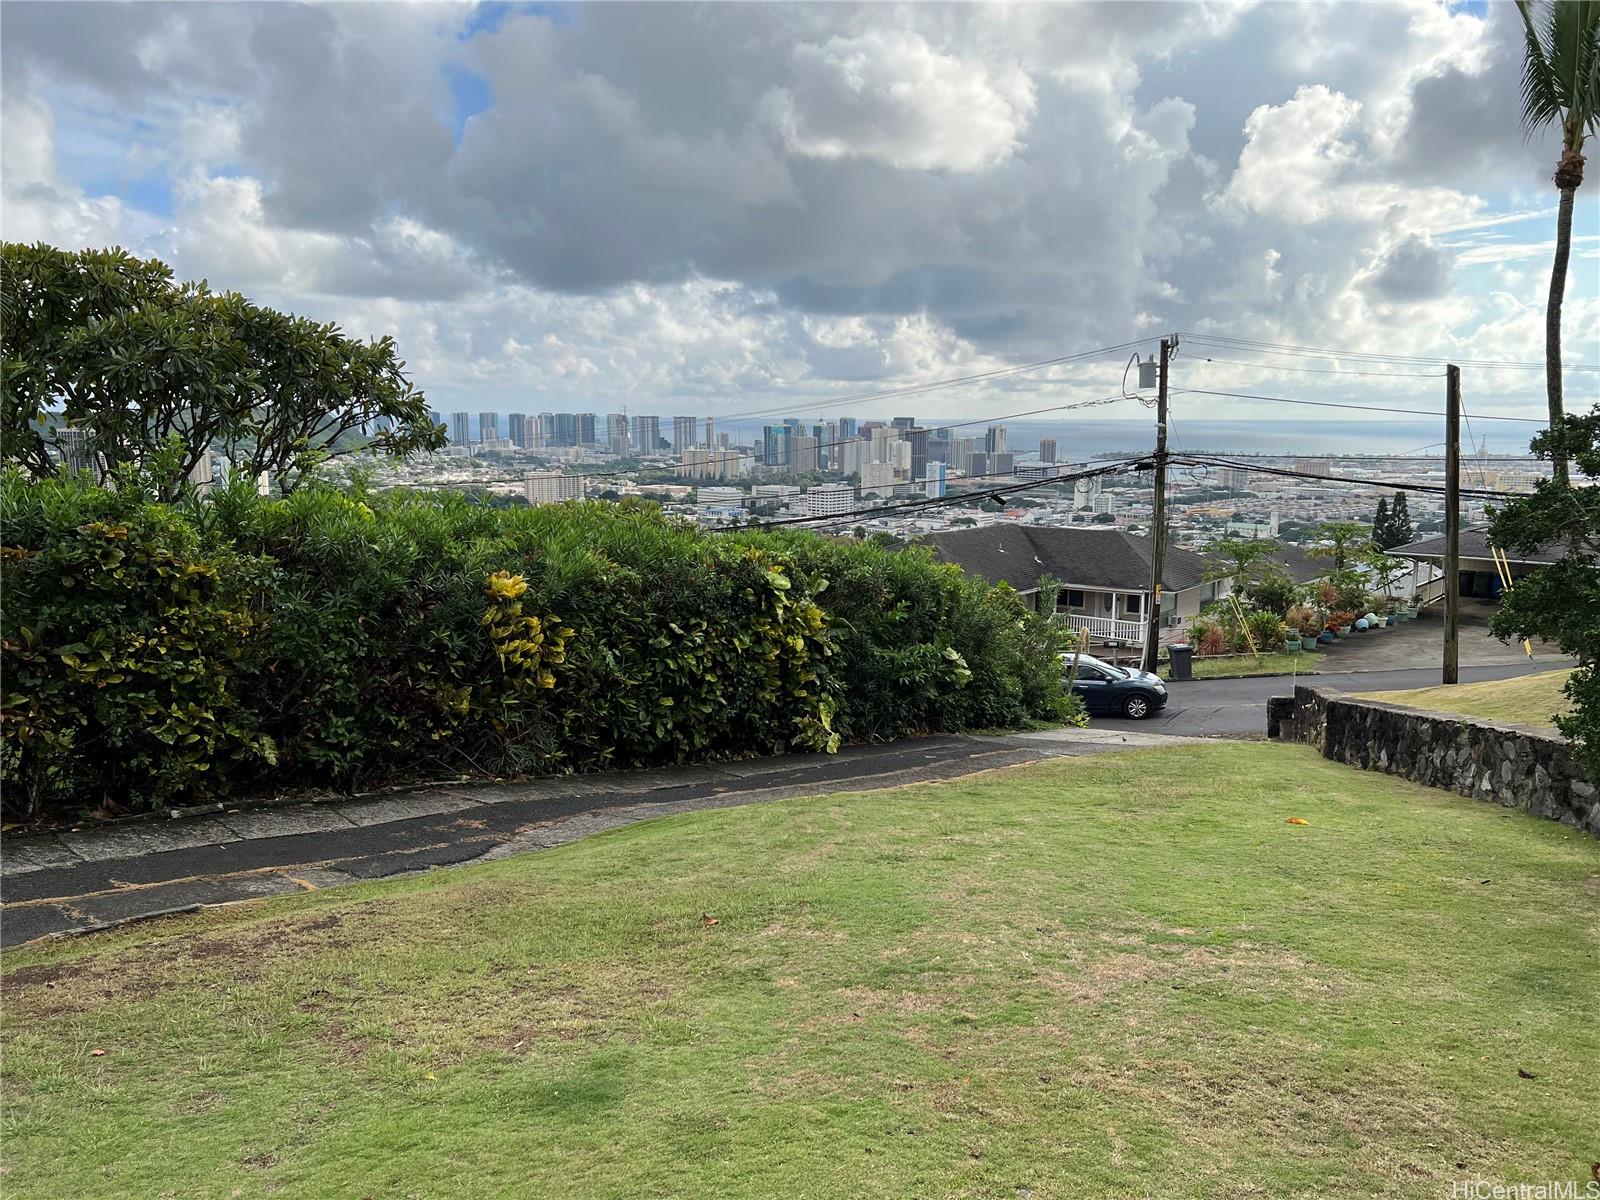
<point x="97" y="1053"/>
<point x="1297" y="821"/>
<point x="708" y="919"/>
<point x="1521" y="1074"/>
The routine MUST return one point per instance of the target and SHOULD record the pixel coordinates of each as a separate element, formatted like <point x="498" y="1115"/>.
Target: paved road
<point x="85" y="879"/>
<point x="1238" y="707"/>
<point x="91" y="878"/>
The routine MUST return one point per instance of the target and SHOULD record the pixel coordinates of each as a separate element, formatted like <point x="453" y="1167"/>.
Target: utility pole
<point x="1452" y="524"/>
<point x="1158" y="548"/>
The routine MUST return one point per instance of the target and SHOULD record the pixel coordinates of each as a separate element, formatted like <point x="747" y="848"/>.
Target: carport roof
<point x="1475" y="544"/>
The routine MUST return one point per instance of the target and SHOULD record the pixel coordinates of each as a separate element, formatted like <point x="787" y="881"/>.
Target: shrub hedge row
<point x="157" y="654"/>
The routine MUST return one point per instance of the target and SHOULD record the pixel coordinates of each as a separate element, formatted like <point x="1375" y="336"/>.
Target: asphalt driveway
<point x="1238" y="707"/>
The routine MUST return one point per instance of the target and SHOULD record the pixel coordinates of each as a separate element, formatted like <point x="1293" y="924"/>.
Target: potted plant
<point x="1308" y="636"/>
<point x="1343" y="623"/>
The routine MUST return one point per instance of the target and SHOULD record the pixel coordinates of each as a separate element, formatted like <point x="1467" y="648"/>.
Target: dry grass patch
<point x="1072" y="979"/>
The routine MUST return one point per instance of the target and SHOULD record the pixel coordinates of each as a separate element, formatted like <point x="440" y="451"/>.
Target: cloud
<point x="887" y="96"/>
<point x="724" y="205"/>
<point x="1413" y="269"/>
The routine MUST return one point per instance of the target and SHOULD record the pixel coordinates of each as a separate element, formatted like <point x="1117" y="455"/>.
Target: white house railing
<point x="1105" y="628"/>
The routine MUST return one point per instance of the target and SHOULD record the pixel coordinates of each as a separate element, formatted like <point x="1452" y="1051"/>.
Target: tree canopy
<point x="1391" y="524"/>
<point x="1560" y="603"/>
<point x="112" y="345"/>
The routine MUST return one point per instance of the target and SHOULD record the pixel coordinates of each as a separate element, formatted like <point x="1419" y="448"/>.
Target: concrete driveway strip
<point x="89" y="879"/>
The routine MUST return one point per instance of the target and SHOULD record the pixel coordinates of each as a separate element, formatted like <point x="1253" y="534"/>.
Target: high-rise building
<point x="710" y="437"/>
<point x="73" y="446"/>
<point x="883" y="436"/>
<point x="803" y="454"/>
<point x="566" y="430"/>
<point x="877" y="477"/>
<point x="616" y="423"/>
<point x="1003" y="463"/>
<point x="904" y="422"/>
<point x="899" y="457"/>
<point x="488" y="427"/>
<point x="1047" y="450"/>
<point x="544" y="430"/>
<point x="934" y="482"/>
<point x="701" y="463"/>
<point x="587" y="435"/>
<point x="775" y="446"/>
<point x="994" y="442"/>
<point x="683" y="433"/>
<point x="918" y="439"/>
<point x="460" y="428"/>
<point x="645" y="432"/>
<point x="1314" y="466"/>
<point x="847" y="427"/>
<point x="977" y="464"/>
<point x="201" y="474"/>
<point x="552" y="487"/>
<point x="828" y="500"/>
<point x="848" y="456"/>
<point x="435" y="418"/>
<point x="517" y="429"/>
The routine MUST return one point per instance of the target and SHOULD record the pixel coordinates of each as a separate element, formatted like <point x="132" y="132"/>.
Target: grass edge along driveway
<point x="1110" y="976"/>
<point x="1523" y="700"/>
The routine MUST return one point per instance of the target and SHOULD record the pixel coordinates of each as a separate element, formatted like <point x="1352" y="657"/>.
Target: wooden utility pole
<point x="1158" y="549"/>
<point x="1452" y="524"/>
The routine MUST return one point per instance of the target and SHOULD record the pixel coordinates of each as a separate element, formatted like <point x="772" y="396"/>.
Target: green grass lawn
<point x="1115" y="976"/>
<point x="1230" y="666"/>
<point x="1525" y="700"/>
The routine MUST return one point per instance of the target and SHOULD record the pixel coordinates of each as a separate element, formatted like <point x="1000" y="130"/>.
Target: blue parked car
<point x="1118" y="691"/>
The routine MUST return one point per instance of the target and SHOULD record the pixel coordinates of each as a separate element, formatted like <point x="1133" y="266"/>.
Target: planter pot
<point x="1345" y="631"/>
<point x="1325" y="637"/>
<point x="1291" y="645"/>
<point x="1309" y="643"/>
<point x="1362" y="624"/>
<point x="1372" y="619"/>
<point x="1390" y="619"/>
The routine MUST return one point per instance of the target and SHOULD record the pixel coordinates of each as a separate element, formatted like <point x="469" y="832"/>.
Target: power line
<point x="754" y="455"/>
<point x="1415" y="412"/>
<point x="933" y="386"/>
<point x="1290" y="350"/>
<point x="832" y="520"/>
<point x="1394" y="485"/>
<point x="1326" y="370"/>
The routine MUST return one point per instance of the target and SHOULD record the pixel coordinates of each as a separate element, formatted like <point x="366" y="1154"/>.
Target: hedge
<point x="161" y="654"/>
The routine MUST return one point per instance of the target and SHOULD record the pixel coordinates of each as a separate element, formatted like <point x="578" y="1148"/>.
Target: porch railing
<point x="1103" y="629"/>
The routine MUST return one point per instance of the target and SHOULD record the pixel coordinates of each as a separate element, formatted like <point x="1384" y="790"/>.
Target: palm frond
<point x="1541" y="102"/>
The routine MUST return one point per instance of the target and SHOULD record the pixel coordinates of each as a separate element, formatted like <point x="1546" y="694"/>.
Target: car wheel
<point x="1137" y="707"/>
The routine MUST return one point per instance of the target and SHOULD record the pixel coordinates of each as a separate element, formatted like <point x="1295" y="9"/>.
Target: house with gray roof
<point x="1103" y="575"/>
<point x="1481" y="575"/>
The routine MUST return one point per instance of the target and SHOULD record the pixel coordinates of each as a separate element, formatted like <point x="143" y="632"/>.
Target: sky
<point x="729" y="209"/>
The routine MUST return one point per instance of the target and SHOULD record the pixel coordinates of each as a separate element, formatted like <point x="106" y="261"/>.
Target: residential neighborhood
<point x="795" y="599"/>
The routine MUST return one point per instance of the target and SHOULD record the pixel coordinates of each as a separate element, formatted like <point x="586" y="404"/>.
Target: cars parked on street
<point x="1118" y="691"/>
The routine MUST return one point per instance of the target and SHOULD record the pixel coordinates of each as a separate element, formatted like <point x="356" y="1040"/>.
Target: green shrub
<point x="122" y="635"/>
<point x="343" y="638"/>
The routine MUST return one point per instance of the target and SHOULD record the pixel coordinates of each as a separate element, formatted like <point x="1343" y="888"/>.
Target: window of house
<point x="1131" y="603"/>
<point x="1070" y="598"/>
<point x="1209" y="592"/>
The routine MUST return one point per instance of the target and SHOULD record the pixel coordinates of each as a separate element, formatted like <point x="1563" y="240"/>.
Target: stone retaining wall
<point x="1514" y="765"/>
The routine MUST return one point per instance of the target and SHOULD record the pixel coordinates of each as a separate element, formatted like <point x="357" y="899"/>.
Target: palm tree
<point x="1561" y="86"/>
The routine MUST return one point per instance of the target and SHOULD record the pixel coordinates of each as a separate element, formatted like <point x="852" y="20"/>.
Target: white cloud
<point x="720" y="207"/>
<point x="888" y="96"/>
